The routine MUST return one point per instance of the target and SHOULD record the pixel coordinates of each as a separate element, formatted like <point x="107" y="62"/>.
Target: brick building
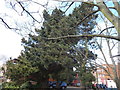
<point x="102" y="77"/>
<point x="118" y="69"/>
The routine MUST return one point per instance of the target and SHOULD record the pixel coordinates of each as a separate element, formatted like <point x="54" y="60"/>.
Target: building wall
<point x="103" y="77"/>
<point x="1" y="76"/>
<point x="118" y="69"/>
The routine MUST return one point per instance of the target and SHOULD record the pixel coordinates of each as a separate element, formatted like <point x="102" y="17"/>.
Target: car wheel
<point x="63" y="88"/>
<point x="51" y="87"/>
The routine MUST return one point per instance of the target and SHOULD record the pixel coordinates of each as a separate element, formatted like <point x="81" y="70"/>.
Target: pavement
<point x="81" y="88"/>
<point x="74" y="88"/>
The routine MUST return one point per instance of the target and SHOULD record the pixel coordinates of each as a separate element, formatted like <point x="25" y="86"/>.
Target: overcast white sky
<point x="10" y="42"/>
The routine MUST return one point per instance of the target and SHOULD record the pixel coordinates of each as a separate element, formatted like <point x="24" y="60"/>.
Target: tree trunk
<point x="118" y="84"/>
<point x="110" y="16"/>
<point x="118" y="79"/>
<point x="44" y="85"/>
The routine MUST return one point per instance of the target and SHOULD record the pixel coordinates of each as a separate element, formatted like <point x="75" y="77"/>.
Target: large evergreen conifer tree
<point x="53" y="58"/>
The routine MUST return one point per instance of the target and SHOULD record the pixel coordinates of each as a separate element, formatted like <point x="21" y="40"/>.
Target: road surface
<point x="74" y="88"/>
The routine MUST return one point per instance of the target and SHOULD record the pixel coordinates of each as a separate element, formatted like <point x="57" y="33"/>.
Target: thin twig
<point x="87" y="17"/>
<point x="106" y="29"/>
<point x="8" y="25"/>
<point x="27" y="12"/>
<point x="69" y="6"/>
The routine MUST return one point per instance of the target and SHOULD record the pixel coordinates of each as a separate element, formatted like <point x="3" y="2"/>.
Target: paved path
<point x="74" y="88"/>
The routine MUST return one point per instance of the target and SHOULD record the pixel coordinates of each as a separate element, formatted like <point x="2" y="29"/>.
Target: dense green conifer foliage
<point x="43" y="58"/>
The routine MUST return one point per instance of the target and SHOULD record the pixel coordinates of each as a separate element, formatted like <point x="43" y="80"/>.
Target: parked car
<point x="57" y="84"/>
<point x="52" y="84"/>
<point x="103" y="86"/>
<point x="78" y="84"/>
<point x="63" y="85"/>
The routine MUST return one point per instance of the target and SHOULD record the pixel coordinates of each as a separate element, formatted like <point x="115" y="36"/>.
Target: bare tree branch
<point x="114" y="44"/>
<point x="116" y="56"/>
<point x="105" y="69"/>
<point x="88" y="14"/>
<point x="87" y="35"/>
<point x="8" y="25"/>
<point x="40" y="4"/>
<point x="113" y="61"/>
<point x="87" y="17"/>
<point x="112" y="8"/>
<point x="117" y="6"/>
<point x="27" y="12"/>
<point x="106" y="29"/>
<point x="69" y="6"/>
<point x="102" y="52"/>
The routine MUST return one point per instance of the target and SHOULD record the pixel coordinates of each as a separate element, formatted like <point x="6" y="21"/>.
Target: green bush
<point x="9" y="85"/>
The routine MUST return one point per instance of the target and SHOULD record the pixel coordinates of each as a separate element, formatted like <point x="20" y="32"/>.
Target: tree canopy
<point x="102" y="6"/>
<point x="54" y="58"/>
